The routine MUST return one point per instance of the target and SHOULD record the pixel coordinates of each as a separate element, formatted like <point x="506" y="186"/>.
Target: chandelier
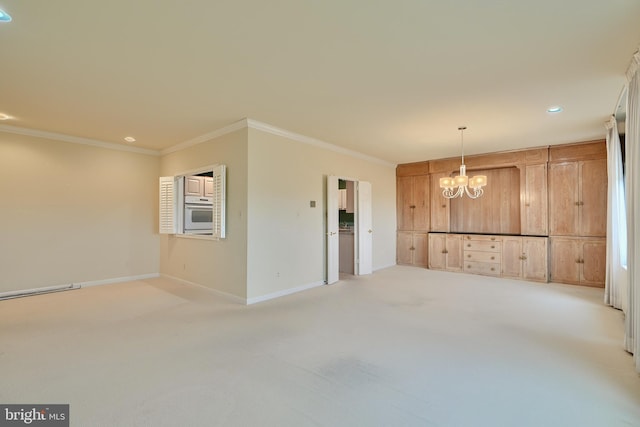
<point x="457" y="186"/>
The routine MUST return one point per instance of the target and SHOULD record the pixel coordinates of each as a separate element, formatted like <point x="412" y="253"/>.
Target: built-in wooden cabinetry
<point x="412" y="214"/>
<point x="578" y="219"/>
<point x="535" y="205"/>
<point x="517" y="257"/>
<point x="445" y="251"/>
<point x="413" y="203"/>
<point x="439" y="204"/>
<point x="537" y="201"/>
<point x="578" y="189"/>
<point x="525" y="257"/>
<point x="412" y="248"/>
<point x="578" y="260"/>
<point x="482" y="255"/>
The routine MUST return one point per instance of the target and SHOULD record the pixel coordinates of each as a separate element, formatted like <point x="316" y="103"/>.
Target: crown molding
<point x="240" y="124"/>
<point x="254" y="124"/>
<point x="76" y="140"/>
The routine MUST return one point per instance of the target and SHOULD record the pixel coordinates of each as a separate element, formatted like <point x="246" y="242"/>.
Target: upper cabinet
<point x="439" y="205"/>
<point x="194" y="186"/>
<point x="208" y="187"/>
<point x="198" y="186"/>
<point x="534" y="212"/>
<point x="412" y="205"/>
<point x="578" y="191"/>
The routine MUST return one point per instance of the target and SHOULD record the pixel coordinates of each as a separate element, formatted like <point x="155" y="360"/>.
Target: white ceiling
<point x="392" y="80"/>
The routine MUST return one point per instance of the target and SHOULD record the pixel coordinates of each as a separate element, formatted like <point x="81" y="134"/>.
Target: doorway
<point x="346" y="227"/>
<point x="349" y="231"/>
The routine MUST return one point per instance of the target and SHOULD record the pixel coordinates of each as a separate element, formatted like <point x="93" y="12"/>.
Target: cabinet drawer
<point x="482" y="256"/>
<point x="482" y="245"/>
<point x="484" y="268"/>
<point x="481" y="238"/>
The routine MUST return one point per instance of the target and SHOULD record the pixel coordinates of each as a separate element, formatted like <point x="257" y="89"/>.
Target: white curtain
<point x="616" y="289"/>
<point x="632" y="153"/>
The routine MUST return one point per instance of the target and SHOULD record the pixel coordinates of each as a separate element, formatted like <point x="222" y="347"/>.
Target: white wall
<point x="286" y="237"/>
<point x="220" y="265"/>
<point x="73" y="213"/>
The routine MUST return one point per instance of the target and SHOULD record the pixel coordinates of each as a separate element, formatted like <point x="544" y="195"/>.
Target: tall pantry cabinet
<point x="578" y="213"/>
<point x="412" y="213"/>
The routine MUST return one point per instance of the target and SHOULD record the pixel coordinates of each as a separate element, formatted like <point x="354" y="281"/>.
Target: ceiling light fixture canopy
<point x="462" y="182"/>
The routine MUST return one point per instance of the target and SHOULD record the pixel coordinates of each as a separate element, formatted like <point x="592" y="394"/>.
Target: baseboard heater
<point x="38" y="291"/>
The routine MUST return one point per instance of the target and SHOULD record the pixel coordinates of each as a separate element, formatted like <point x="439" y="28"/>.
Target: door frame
<point x="333" y="259"/>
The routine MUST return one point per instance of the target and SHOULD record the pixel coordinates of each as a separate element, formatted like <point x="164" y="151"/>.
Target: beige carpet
<point x="402" y="347"/>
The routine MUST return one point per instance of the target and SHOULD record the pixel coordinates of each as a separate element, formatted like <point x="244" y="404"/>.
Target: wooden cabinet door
<point x="535" y="209"/>
<point x="593" y="198"/>
<point x="421" y="203"/>
<point x="421" y="249"/>
<point x="535" y="251"/>
<point x="412" y="203"/>
<point x="512" y="256"/>
<point x="593" y="263"/>
<point x="563" y="199"/>
<point x="437" y="251"/>
<point x="565" y="260"/>
<point x="454" y="258"/>
<point x="404" y="244"/>
<point x="404" y="202"/>
<point x="439" y="205"/>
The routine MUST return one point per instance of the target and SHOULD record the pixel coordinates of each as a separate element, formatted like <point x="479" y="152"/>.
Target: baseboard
<point x="37" y="291"/>
<point x="117" y="280"/>
<point x="225" y="295"/>
<point x="71" y="286"/>
<point x="284" y="292"/>
<point x="385" y="266"/>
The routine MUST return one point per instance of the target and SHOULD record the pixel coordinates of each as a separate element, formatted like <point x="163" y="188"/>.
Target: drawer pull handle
<point x="469" y="256"/>
<point x="493" y="238"/>
<point x="468" y="266"/>
<point x="412" y="248"/>
<point x="493" y="269"/>
<point x="468" y="245"/>
<point x="493" y="257"/>
<point x="444" y="206"/>
<point x="493" y="246"/>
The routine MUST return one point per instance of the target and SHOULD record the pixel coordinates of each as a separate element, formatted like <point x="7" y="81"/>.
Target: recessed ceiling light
<point x="554" y="109"/>
<point x="4" y="116"/>
<point x="4" y="16"/>
<point x="129" y="139"/>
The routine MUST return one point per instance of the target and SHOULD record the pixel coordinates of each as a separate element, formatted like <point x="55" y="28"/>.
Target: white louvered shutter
<point x="219" y="201"/>
<point x="168" y="206"/>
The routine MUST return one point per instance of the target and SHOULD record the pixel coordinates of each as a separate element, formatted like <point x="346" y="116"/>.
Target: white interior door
<point x="333" y="243"/>
<point x="364" y="229"/>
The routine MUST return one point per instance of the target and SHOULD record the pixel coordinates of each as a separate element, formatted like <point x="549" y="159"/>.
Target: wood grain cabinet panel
<point x="412" y="249"/>
<point x="439" y="205"/>
<point x="535" y="212"/>
<point x="578" y="198"/>
<point x="445" y="251"/>
<point x="579" y="261"/>
<point x="413" y="203"/>
<point x="482" y="255"/>
<point x="525" y="258"/>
